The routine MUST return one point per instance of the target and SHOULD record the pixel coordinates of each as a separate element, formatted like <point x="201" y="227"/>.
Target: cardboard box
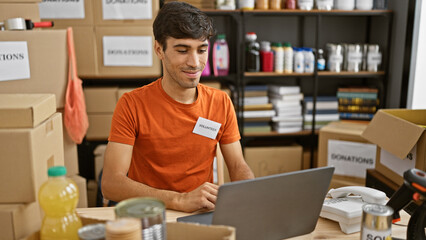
<point x="124" y="17"/>
<point x="100" y="99"/>
<point x="48" y="60"/>
<point x="99" y="126"/>
<point x="99" y="153"/>
<point x="19" y="220"/>
<point x="82" y="189"/>
<point x="342" y="146"/>
<point x="265" y="161"/>
<point x="70" y="151"/>
<point x="92" y="193"/>
<point x="344" y="181"/>
<point x="13" y="9"/>
<point x="25" y="110"/>
<point x="26" y="154"/>
<point x="20" y="1"/>
<point x="122" y="91"/>
<point x="401" y="139"/>
<point x="116" y="63"/>
<point x="191" y="231"/>
<point x="54" y="11"/>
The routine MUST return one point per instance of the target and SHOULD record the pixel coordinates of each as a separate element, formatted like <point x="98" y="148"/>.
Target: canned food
<point x="374" y="58"/>
<point x="376" y="222"/>
<point x="123" y="228"/>
<point x="335" y="57"/>
<point x="150" y="211"/>
<point x="354" y="57"/>
<point x="92" y="232"/>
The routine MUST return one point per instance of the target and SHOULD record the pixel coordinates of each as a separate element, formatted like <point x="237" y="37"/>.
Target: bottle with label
<point x="325" y="4"/>
<point x="220" y="56"/>
<point x="288" y="58"/>
<point x="290" y="4"/>
<point x="225" y="4"/>
<point x="252" y="53"/>
<point x="278" y="50"/>
<point x="309" y="60"/>
<point x="321" y="60"/>
<point x="58" y="197"/>
<point x="299" y="60"/>
<point x="305" y="4"/>
<point x="206" y="70"/>
<point x="266" y="57"/>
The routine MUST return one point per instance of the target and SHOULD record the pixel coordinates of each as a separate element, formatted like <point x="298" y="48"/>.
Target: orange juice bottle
<point x="58" y="197"/>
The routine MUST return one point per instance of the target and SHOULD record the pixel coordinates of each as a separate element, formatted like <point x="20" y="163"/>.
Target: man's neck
<point x="178" y="93"/>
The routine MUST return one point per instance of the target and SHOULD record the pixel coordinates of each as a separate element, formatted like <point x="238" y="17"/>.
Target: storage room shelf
<point x="273" y="74"/>
<point x="274" y="133"/>
<point x="351" y="74"/>
<point x="316" y="12"/>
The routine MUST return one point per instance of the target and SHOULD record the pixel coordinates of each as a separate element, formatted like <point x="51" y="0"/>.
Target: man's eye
<point x="202" y="50"/>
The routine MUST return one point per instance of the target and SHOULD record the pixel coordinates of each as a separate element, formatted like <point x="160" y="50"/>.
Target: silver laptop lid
<point x="273" y="207"/>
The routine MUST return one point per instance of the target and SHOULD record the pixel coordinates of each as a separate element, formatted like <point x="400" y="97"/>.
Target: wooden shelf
<point x="350" y="74"/>
<point x="274" y="74"/>
<point x="302" y="12"/>
<point x="274" y="133"/>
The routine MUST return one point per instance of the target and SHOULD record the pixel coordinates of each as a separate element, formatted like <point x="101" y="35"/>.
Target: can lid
<point x="92" y="232"/>
<point x="140" y="207"/>
<point x="378" y="210"/>
<point x="57" y="171"/>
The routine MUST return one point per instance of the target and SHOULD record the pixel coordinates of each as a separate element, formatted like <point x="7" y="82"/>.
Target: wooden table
<point x="325" y="229"/>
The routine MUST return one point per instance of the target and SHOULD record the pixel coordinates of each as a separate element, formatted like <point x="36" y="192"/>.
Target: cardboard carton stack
<point x="113" y="38"/>
<point x="30" y="142"/>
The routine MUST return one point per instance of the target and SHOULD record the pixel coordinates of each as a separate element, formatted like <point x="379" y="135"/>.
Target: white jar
<point x="299" y="61"/>
<point x="364" y="4"/>
<point x="344" y="4"/>
<point x="305" y="4"/>
<point x="246" y="4"/>
<point x="325" y="4"/>
<point x="309" y="60"/>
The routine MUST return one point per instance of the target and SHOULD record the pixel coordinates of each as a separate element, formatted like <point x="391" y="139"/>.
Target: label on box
<point x="351" y="158"/>
<point x="62" y="9"/>
<point x="398" y="165"/>
<point x="128" y="51"/>
<point x="126" y="9"/>
<point x="14" y="61"/>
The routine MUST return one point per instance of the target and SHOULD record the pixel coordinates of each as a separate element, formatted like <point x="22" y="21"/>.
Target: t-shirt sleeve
<point x="231" y="132"/>
<point x="123" y="125"/>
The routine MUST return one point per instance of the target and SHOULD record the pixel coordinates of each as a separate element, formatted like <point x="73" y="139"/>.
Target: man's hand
<point x="203" y="197"/>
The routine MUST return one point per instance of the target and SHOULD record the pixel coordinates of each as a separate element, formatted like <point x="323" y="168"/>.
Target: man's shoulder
<point x="212" y="90"/>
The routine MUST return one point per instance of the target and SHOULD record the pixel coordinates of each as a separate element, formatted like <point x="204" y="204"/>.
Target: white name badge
<point x="126" y="9"/>
<point x="128" y="51"/>
<point x="206" y="128"/>
<point x="14" y="61"/>
<point x="62" y="9"/>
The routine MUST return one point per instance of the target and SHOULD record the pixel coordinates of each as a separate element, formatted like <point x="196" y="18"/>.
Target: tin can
<point x="376" y="222"/>
<point x="151" y="211"/>
<point x="335" y="57"/>
<point x="374" y="58"/>
<point x="92" y="232"/>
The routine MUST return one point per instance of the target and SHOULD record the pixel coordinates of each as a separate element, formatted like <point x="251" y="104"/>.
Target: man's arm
<point x="237" y="166"/>
<point x="117" y="186"/>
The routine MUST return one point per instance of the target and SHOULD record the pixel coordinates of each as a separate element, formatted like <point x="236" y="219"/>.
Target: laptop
<point x="272" y="207"/>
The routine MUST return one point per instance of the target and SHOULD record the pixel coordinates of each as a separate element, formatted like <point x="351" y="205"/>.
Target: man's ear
<point x="158" y="50"/>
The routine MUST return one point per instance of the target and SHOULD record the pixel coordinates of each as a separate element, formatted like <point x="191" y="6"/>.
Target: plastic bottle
<point x="305" y="4"/>
<point x="321" y="60"/>
<point x="58" y="197"/>
<point x="288" y="58"/>
<point x="252" y="53"/>
<point x="206" y="70"/>
<point x="278" y="50"/>
<point x="299" y="61"/>
<point x="220" y="56"/>
<point x="246" y="4"/>
<point x="325" y="4"/>
<point x="309" y="60"/>
<point x="290" y="4"/>
<point x="266" y="57"/>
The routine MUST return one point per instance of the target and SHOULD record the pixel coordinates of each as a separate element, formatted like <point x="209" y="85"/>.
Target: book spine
<point x="362" y="95"/>
<point x="356" y="116"/>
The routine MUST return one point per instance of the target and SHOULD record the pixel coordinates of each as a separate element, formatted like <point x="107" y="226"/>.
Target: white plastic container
<point x="288" y="58"/>
<point x="299" y="60"/>
<point x="364" y="4"/>
<point x="309" y="60"/>
<point x="246" y="4"/>
<point x="278" y="50"/>
<point x="344" y="5"/>
<point x="305" y="4"/>
<point x="325" y="4"/>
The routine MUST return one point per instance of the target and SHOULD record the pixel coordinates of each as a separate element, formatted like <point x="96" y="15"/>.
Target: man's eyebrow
<point x="187" y="46"/>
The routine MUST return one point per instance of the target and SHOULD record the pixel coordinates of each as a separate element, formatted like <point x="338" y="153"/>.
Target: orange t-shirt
<point x="166" y="153"/>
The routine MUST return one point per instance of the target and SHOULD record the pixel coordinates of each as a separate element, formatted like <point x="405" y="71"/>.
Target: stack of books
<point x="357" y="103"/>
<point x="258" y="112"/>
<point x="326" y="111"/>
<point x="286" y="101"/>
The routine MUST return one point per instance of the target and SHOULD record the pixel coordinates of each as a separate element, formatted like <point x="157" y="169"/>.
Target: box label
<point x="127" y="51"/>
<point x="126" y="9"/>
<point x="398" y="165"/>
<point x="62" y="9"/>
<point x="351" y="158"/>
<point x="14" y="61"/>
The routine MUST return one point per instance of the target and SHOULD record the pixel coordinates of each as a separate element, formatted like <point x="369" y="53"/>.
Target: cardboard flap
<point x="192" y="231"/>
<point x="394" y="131"/>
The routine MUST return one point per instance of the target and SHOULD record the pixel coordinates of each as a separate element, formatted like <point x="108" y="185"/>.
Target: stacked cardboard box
<point x="30" y="142"/>
<point x="113" y="38"/>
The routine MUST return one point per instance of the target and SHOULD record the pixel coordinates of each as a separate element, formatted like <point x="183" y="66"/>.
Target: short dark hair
<point x="181" y="20"/>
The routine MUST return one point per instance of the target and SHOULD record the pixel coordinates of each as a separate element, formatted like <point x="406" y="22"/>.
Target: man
<point x="164" y="135"/>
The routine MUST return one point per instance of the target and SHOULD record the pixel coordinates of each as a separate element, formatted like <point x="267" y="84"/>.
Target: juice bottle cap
<point x="56" y="171"/>
<point x="221" y="36"/>
<point x="287" y="44"/>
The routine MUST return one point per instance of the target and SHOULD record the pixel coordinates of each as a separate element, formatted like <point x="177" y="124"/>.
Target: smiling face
<point x="183" y="61"/>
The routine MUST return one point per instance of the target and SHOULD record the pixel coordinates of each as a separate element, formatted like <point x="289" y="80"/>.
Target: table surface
<point x="325" y="229"/>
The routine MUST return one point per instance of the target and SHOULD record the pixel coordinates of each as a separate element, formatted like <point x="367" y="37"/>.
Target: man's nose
<point x="192" y="60"/>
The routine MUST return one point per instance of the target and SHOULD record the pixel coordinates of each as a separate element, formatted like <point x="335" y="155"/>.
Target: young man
<point x="164" y="135"/>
